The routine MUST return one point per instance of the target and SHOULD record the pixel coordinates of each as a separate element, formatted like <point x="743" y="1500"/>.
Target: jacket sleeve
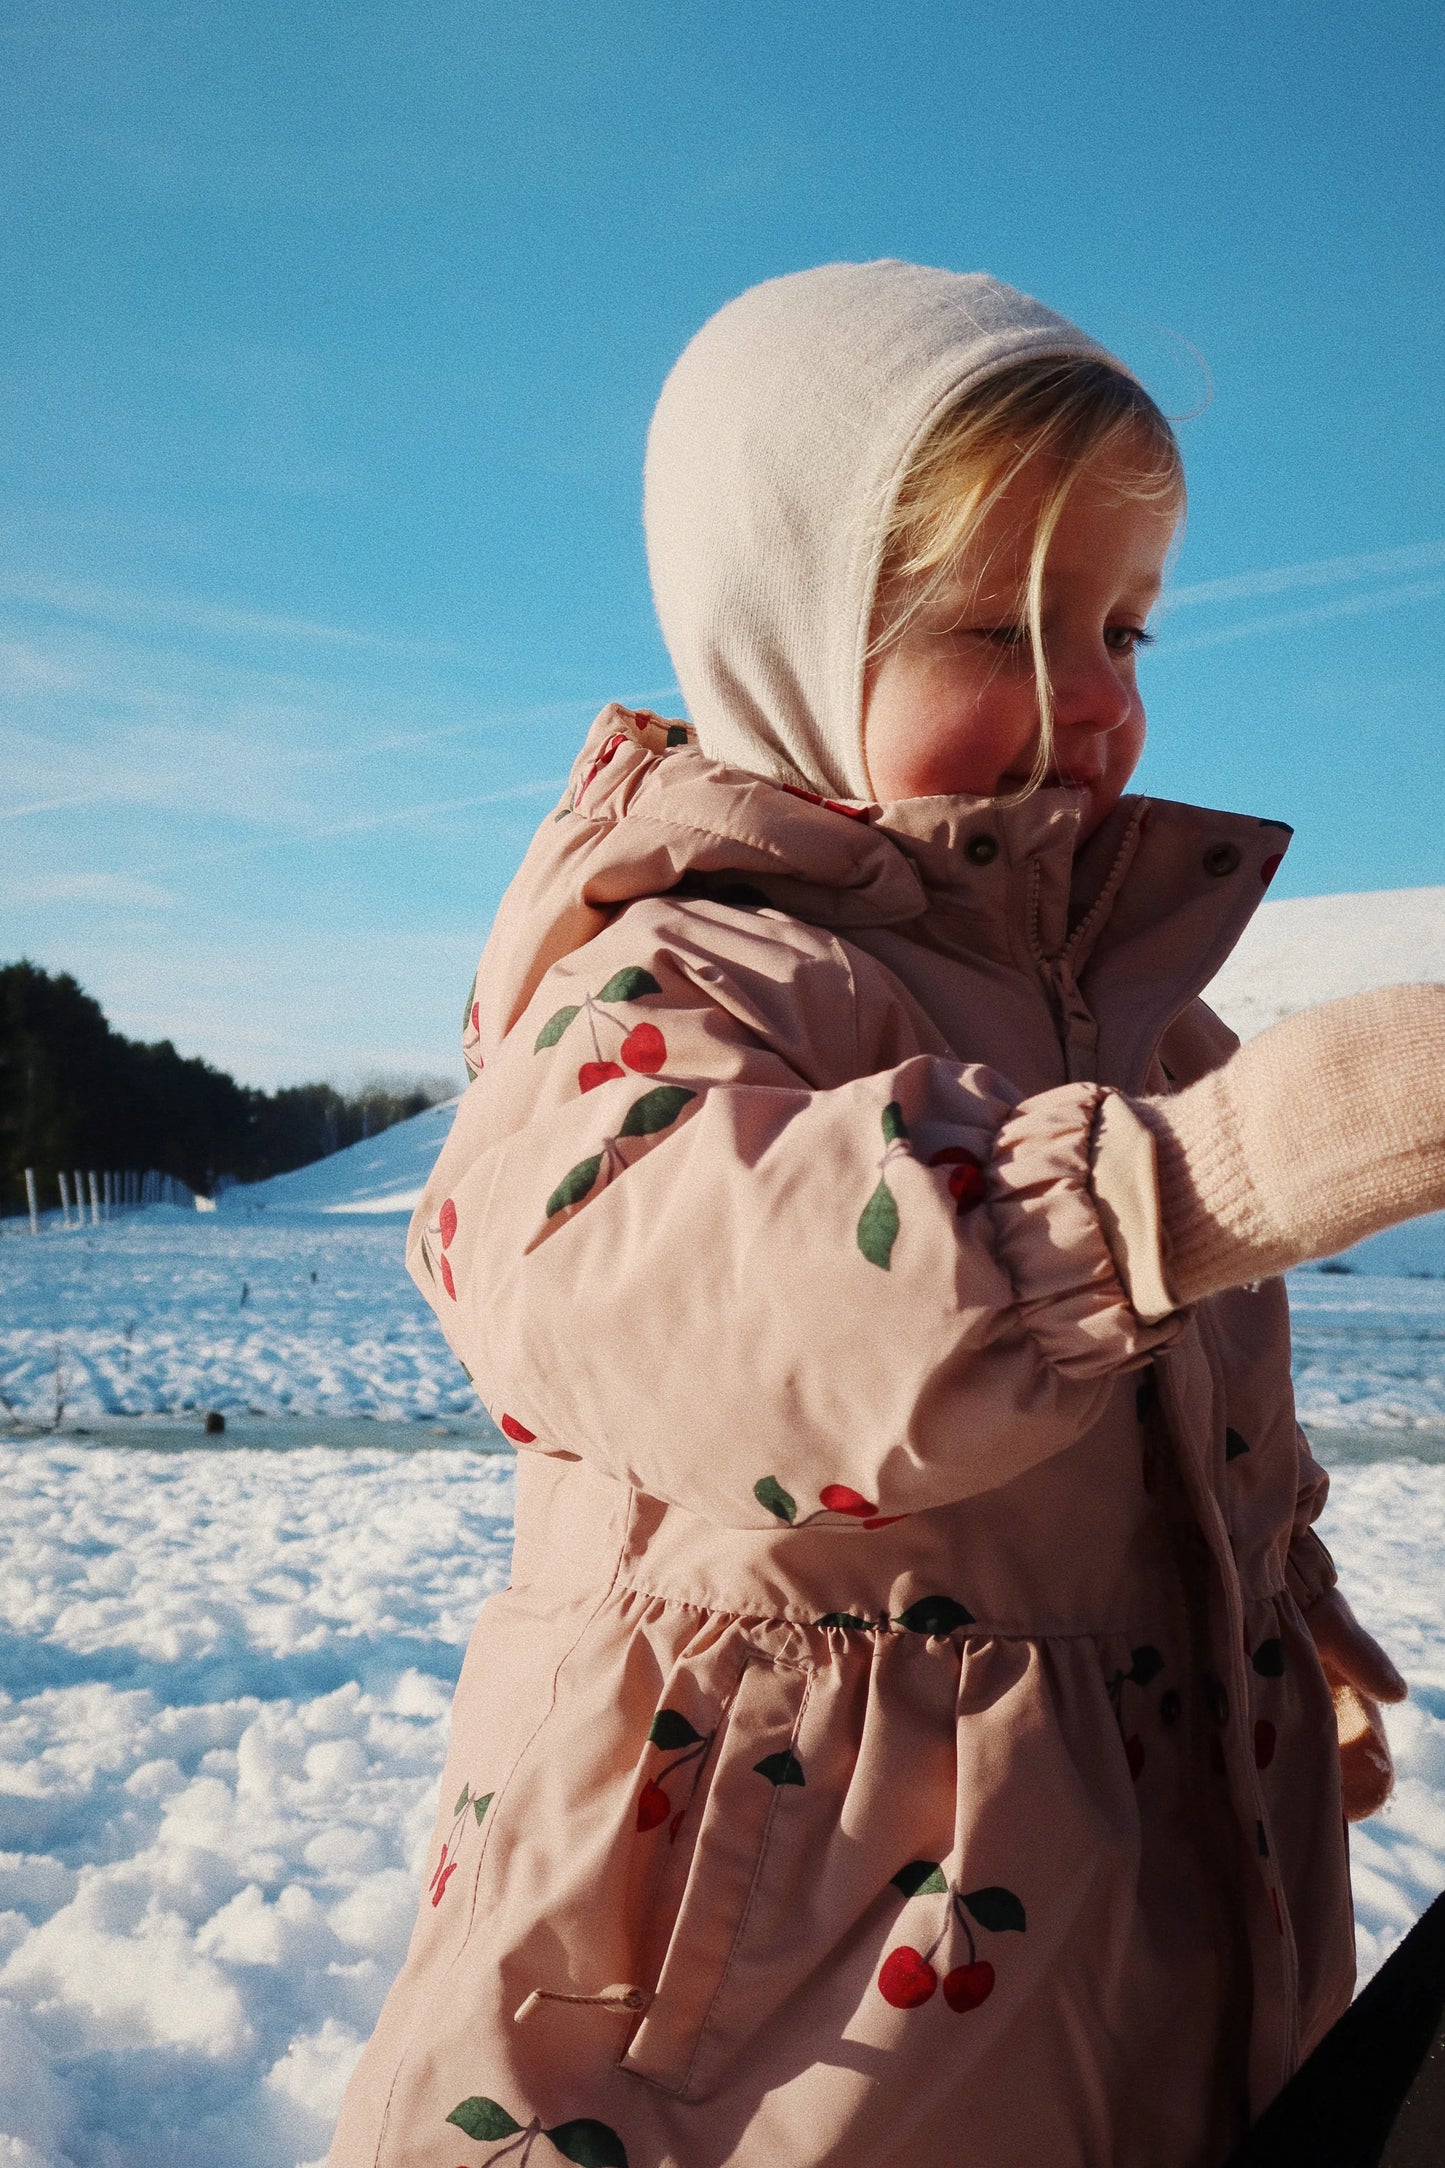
<point x="713" y="1223"/>
<point x="1309" y="1568"/>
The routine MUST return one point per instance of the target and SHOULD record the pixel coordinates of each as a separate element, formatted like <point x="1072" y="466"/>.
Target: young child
<point x="904" y="1742"/>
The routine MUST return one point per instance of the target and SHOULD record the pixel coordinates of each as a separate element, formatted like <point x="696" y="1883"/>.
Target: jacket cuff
<point x="1050" y="1236"/>
<point x="1125" y="1177"/>
<point x="1309" y="1570"/>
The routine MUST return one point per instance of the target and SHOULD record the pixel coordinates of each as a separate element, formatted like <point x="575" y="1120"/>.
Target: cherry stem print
<point x="671" y="1731"/>
<point x="583" y="2140"/>
<point x="908" y="1978"/>
<point x="836" y="1501"/>
<point x="470" y="1808"/>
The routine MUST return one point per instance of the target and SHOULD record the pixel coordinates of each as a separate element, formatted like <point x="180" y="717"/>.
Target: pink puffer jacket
<point x="901" y="1745"/>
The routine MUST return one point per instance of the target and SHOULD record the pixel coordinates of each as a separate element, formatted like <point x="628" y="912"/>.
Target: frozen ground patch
<point x="153" y="1315"/>
<point x="226" y="1677"/>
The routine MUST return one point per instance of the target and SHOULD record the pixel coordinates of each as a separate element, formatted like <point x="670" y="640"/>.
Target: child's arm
<point x="1321" y="1131"/>
<point x="764" y="1254"/>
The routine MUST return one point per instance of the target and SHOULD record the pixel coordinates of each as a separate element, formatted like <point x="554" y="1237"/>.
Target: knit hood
<point x="775" y="455"/>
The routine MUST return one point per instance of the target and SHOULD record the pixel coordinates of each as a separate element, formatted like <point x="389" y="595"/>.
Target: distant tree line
<point x="76" y="1094"/>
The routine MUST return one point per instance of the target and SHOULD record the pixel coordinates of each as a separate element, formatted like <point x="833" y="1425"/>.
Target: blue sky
<point x="331" y="336"/>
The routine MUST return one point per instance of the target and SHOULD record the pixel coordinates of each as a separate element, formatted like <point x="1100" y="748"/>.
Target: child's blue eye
<point x="1129" y="638"/>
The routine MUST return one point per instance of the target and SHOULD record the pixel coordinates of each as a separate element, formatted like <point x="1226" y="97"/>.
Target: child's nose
<point x="1088" y="691"/>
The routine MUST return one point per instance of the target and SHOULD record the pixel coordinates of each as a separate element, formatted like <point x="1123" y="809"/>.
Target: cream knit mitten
<point x="1322" y="1130"/>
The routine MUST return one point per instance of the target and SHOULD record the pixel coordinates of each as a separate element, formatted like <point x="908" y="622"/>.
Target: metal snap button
<point x="983" y="850"/>
<point x="1221" y="858"/>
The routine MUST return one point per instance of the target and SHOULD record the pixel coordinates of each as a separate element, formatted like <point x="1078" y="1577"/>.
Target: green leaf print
<point x="480" y="1806"/>
<point x="589" y="2143"/>
<point x="1146" y="1665"/>
<point x="677" y="733"/>
<point x="769" y="1492"/>
<point x="657" y="1109"/>
<point x="481" y="2118"/>
<point x="573" y="1187"/>
<point x="1268" y="1658"/>
<point x="465" y="1798"/>
<point x="629" y="985"/>
<point x="995" y="1909"/>
<point x="467" y="1007"/>
<point x="934" y="1615"/>
<point x="878" y="1227"/>
<point x="781" y="1768"/>
<point x="920" y="1878"/>
<point x="670" y="1729"/>
<point x="850" y="1619"/>
<point x="895" y="1129"/>
<point x="554" y="1027"/>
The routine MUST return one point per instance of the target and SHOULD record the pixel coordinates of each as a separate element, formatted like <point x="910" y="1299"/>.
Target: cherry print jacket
<point x="901" y="1745"/>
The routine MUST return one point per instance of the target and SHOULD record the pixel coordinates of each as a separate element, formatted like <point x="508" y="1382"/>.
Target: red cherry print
<point x="968" y="1985"/>
<point x="1264" y="1743"/>
<point x="476" y="1016"/>
<point x="593" y="1073"/>
<point x="675" y="1825"/>
<point x="517" y="1432"/>
<point x="837" y="1498"/>
<point x="448" y="1223"/>
<point x="1134" y="1755"/>
<point x="653" y="1806"/>
<point x="966" y="1183"/>
<point x="644" y="1049"/>
<point x="906" y="1978"/>
<point x="447" y="1281"/>
<point x="885" y="1520"/>
<point x="1271" y="867"/>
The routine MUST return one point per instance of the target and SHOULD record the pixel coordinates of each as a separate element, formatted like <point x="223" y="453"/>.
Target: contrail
<point x="1379" y="598"/>
<point x="121" y="606"/>
<point x="1323" y="572"/>
<point x="364" y="824"/>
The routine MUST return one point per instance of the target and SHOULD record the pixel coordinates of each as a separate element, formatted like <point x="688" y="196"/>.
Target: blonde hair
<point x="1070" y="413"/>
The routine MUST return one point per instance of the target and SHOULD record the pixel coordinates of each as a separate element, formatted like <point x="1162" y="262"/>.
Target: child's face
<point x="951" y="709"/>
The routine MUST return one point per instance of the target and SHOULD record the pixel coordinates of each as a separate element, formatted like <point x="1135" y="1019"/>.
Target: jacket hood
<point x="774" y="457"/>
<point x="1162" y="891"/>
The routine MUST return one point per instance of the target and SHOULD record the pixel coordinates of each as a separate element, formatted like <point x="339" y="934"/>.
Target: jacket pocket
<point x="716" y="1897"/>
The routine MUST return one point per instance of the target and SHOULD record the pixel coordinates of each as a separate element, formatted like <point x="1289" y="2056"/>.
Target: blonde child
<point x="910" y="1737"/>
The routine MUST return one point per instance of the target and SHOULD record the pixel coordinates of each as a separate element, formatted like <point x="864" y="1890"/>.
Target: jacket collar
<point x="1147" y="909"/>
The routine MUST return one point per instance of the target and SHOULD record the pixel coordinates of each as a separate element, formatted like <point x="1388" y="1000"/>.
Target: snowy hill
<point x="1318" y="948"/>
<point x="383" y="1174"/>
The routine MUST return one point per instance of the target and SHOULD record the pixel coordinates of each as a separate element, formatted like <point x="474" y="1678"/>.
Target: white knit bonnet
<point x="775" y="454"/>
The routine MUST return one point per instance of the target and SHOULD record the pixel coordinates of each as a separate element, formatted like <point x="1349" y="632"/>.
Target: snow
<point x="1307" y="949"/>
<point x="228" y="1675"/>
<point x="161" y="1312"/>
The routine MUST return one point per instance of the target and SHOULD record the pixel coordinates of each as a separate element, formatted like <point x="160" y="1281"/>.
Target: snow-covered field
<point x="225" y="1664"/>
